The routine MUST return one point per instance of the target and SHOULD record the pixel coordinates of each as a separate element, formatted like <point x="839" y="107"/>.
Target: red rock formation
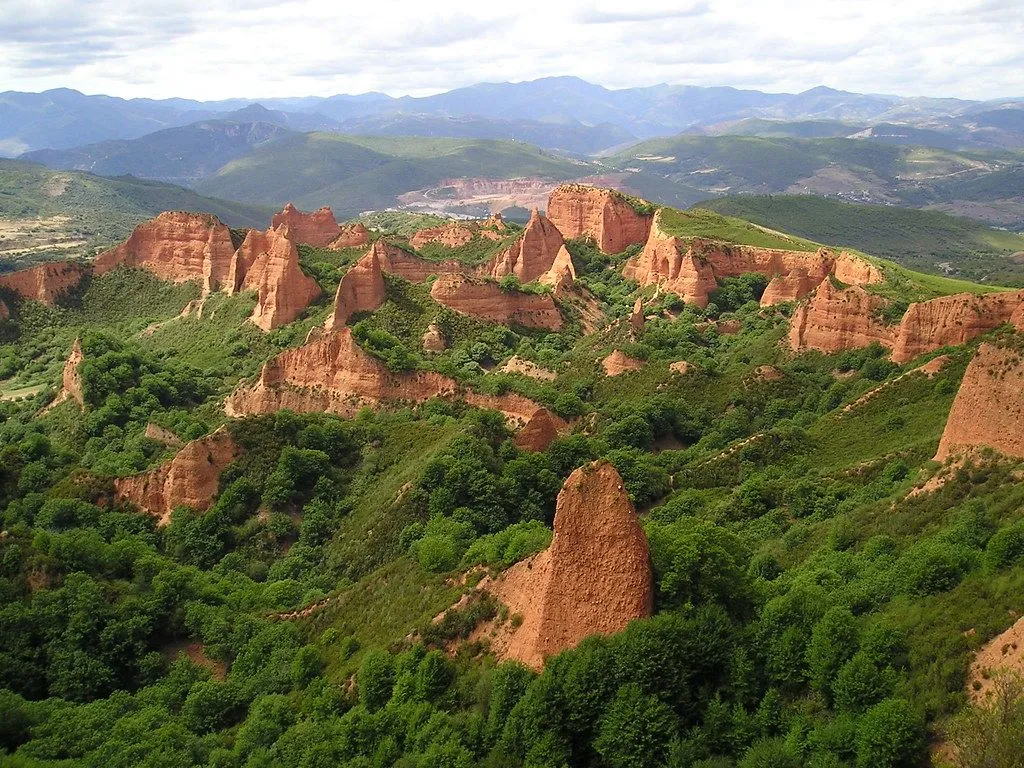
<point x="789" y="287"/>
<point x="44" y="282"/>
<point x="176" y="246"/>
<point x="619" y="362"/>
<point x="189" y="479"/>
<point x="283" y="289"/>
<point x="256" y="243"/>
<point x="352" y="236"/>
<point x="333" y="374"/>
<point x="433" y="340"/>
<point x="71" y="379"/>
<point x="516" y="364"/>
<point x="989" y="407"/>
<point x="668" y="262"/>
<point x="562" y="274"/>
<point x="602" y="214"/>
<point x="928" y="325"/>
<point x="451" y="235"/>
<point x="162" y="435"/>
<point x="594" y="578"/>
<point x="4" y="311"/>
<point x="636" y="317"/>
<point x="540" y="431"/>
<point x="486" y="300"/>
<point x="360" y="290"/>
<point x="318" y="228"/>
<point x="533" y="253"/>
<point x="834" y="320"/>
<point x="854" y="270"/>
<point x="398" y="261"/>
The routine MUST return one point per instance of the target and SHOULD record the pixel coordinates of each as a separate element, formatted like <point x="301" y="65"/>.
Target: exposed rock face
<point x="619" y="362"/>
<point x="397" y="261"/>
<point x="562" y="273"/>
<point x="989" y="407"/>
<point x="433" y="340"/>
<point x="692" y="268"/>
<point x="636" y="317"/>
<point x="4" y="311"/>
<point x="283" y="289"/>
<point x="533" y="253"/>
<point x="361" y="290"/>
<point x="834" y="320"/>
<point x="71" y="379"/>
<point x="177" y="247"/>
<point x="486" y="300"/>
<point x="928" y="325"/>
<point x="853" y="270"/>
<point x="450" y="235"/>
<point x="794" y="285"/>
<point x="516" y="364"/>
<point x="352" y="236"/>
<point x="45" y="282"/>
<point x="189" y="479"/>
<point x="682" y="367"/>
<point x="318" y="228"/>
<point x="333" y="374"/>
<point x="594" y="578"/>
<point x="602" y="214"/>
<point x="161" y="435"/>
<point x="540" y="431"/>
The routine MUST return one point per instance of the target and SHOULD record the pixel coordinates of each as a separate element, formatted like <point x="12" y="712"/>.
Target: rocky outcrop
<point x="189" y="479"/>
<point x="619" y="362"/>
<point x="854" y="270"/>
<point x="433" y="340"/>
<point x="283" y="289"/>
<point x="398" y="261"/>
<point x="516" y="364"/>
<point x="562" y="273"/>
<point x="361" y="290"/>
<point x="45" y="282"/>
<point x="682" y="367"/>
<point x="604" y="215"/>
<point x="542" y="429"/>
<point x="667" y="262"/>
<point x="636" y="317"/>
<point x="4" y="311"/>
<point x="71" y="380"/>
<point x="451" y="235"/>
<point x="532" y="255"/>
<point x="318" y="228"/>
<point x="794" y="285"/>
<point x="929" y="325"/>
<point x="333" y="374"/>
<point x="595" y="577"/>
<point x="351" y="236"/>
<point x="989" y="407"/>
<point x="176" y="246"/>
<point x="486" y="300"/>
<point x="162" y="435"/>
<point x="836" y="319"/>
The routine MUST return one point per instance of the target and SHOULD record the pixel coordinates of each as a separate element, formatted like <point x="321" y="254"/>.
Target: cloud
<point x="209" y="49"/>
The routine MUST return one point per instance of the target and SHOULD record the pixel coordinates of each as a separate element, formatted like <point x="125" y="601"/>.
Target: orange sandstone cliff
<point x="533" y="254"/>
<point x="71" y="379"/>
<point x="189" y="479"/>
<point x="602" y="214"/>
<point x="318" y="228"/>
<point x="283" y="289"/>
<point x="361" y="290"/>
<point x="333" y="374"/>
<point x="542" y="429"/>
<point x="594" y="578"/>
<point x="989" y="406"/>
<point x="351" y="236"/>
<point x="45" y="282"/>
<point x="836" y="319"/>
<point x="486" y="300"/>
<point x="176" y="246"/>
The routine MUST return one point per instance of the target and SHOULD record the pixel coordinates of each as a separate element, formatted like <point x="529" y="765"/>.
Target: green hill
<point x="354" y="174"/>
<point x="928" y="241"/>
<point x="46" y="214"/>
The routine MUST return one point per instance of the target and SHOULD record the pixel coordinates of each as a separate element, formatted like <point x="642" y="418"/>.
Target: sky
<point x="211" y="49"/>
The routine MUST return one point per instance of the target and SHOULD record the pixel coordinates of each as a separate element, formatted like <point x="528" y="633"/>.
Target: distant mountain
<point x="354" y="174"/>
<point x="571" y="137"/>
<point x="181" y="155"/>
<point x="62" y="118"/>
<point x="72" y="213"/>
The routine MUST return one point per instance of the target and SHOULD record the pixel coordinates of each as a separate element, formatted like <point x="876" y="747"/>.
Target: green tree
<point x="890" y="734"/>
<point x="635" y="731"/>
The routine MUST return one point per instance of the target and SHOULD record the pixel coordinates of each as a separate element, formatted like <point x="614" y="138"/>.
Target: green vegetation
<point x="926" y="241"/>
<point x="808" y="610"/>
<point x="53" y="208"/>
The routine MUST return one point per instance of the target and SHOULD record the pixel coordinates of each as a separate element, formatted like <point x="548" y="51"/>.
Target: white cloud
<point x="219" y="48"/>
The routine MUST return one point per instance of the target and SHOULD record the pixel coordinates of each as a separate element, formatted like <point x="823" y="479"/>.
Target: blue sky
<point x="209" y="49"/>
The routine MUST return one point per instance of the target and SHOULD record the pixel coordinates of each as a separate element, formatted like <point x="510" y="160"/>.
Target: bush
<point x="889" y="735"/>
